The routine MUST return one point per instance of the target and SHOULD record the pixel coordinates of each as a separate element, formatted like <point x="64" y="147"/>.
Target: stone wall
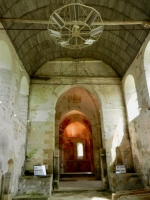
<point x="13" y="114"/>
<point x="106" y="91"/>
<point x="139" y="127"/>
<point x="78" y="102"/>
<point x="75" y="134"/>
<point x="35" y="185"/>
<point x="125" y="182"/>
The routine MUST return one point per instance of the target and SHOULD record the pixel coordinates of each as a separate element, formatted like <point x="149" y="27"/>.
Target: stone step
<point x="136" y="197"/>
<point x="76" y="174"/>
<point x="31" y="197"/>
<point x="117" y="195"/>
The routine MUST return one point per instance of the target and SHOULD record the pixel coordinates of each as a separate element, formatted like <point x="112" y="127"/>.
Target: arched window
<point x="79" y="150"/>
<point x="23" y="99"/>
<point x="5" y="72"/>
<point x="10" y="165"/>
<point x="24" y="88"/>
<point x="131" y="98"/>
<point x="5" y="56"/>
<point x="147" y="65"/>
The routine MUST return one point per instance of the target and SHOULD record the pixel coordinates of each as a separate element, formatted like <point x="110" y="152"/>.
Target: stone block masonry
<point x="139" y="126"/>
<point x="50" y="100"/>
<point x="13" y="118"/>
<point x="125" y="182"/>
<point x="34" y="185"/>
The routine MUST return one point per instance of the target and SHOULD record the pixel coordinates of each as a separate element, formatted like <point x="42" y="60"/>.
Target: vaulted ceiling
<point x="117" y="46"/>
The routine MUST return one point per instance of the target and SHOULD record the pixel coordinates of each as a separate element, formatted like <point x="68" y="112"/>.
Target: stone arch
<point x="86" y="87"/>
<point x="73" y="130"/>
<point x="76" y="108"/>
<point x="77" y="114"/>
<point x="131" y="98"/>
<point x="73" y="98"/>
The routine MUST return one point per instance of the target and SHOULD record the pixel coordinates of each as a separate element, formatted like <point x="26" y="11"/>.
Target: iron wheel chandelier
<point x="75" y="25"/>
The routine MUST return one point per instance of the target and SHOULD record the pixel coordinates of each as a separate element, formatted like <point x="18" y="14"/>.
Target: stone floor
<point x="79" y="183"/>
<point x="82" y="195"/>
<point x="84" y="188"/>
<point x="75" y="188"/>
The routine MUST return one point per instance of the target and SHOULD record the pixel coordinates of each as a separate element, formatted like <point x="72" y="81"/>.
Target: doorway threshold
<point x="79" y="181"/>
<point x="77" y="174"/>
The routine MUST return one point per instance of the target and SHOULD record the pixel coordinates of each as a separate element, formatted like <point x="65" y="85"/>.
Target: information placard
<point x="39" y="170"/>
<point x="120" y="169"/>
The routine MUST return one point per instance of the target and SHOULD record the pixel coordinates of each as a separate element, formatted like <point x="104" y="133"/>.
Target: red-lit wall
<point x="73" y="133"/>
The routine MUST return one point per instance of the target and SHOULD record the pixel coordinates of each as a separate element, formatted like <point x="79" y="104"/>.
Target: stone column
<point x="103" y="169"/>
<point x="2" y="188"/>
<point x="6" y="186"/>
<point x="56" y="169"/>
<point x="149" y="177"/>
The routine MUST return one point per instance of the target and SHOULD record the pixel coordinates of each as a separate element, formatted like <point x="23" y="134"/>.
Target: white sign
<point x="39" y="170"/>
<point x="120" y="169"/>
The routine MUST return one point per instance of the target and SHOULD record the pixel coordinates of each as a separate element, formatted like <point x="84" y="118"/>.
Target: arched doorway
<point x="77" y="108"/>
<point x="76" y="145"/>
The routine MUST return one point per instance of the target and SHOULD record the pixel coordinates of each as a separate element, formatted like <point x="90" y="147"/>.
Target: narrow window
<point x="79" y="150"/>
<point x="131" y="98"/>
<point x="147" y="67"/>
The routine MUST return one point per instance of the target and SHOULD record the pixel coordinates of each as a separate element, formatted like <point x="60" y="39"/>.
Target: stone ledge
<point x="35" y="185"/>
<point x="32" y="176"/>
<point x="136" y="197"/>
<point x="117" y="195"/>
<point x="125" y="182"/>
<point x="31" y="197"/>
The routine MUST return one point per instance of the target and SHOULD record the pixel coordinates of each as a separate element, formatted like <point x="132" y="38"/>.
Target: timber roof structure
<point x="117" y="46"/>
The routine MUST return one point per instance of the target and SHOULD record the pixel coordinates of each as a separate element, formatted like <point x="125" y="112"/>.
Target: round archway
<point x="131" y="98"/>
<point x="79" y="106"/>
<point x="76" y="145"/>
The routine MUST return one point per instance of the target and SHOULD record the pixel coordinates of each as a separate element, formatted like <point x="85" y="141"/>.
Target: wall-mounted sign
<point x="120" y="169"/>
<point x="39" y="170"/>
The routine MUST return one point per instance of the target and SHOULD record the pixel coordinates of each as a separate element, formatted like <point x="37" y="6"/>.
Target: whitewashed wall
<point x="13" y="111"/>
<point x="139" y="127"/>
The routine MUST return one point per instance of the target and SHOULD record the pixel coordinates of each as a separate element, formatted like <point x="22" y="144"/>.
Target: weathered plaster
<point x="139" y="127"/>
<point x="46" y="92"/>
<point x="13" y="119"/>
<point x="75" y="100"/>
<point x="80" y="68"/>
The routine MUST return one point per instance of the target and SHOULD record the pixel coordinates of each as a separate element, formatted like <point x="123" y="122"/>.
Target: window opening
<point x="131" y="98"/>
<point x="79" y="150"/>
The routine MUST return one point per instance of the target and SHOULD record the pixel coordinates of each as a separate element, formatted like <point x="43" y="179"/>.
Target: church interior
<point x="75" y="96"/>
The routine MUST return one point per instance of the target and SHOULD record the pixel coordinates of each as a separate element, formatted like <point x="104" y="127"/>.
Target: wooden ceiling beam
<point x="145" y="23"/>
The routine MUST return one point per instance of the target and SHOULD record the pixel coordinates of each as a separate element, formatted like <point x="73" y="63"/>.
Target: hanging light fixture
<point x="75" y="25"/>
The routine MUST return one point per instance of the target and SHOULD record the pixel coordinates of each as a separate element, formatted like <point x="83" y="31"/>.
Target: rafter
<point x="144" y="23"/>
